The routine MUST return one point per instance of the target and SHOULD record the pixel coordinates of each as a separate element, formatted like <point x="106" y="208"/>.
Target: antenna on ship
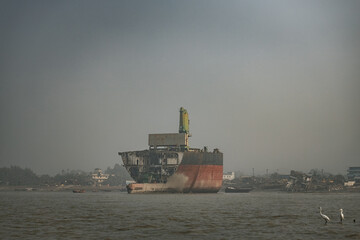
<point x="184" y="125"/>
<point x="184" y="121"/>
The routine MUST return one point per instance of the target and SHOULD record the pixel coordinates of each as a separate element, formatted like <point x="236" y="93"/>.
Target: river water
<point x="118" y="215"/>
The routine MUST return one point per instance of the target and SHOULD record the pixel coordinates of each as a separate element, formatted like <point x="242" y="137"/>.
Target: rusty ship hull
<point x="193" y="171"/>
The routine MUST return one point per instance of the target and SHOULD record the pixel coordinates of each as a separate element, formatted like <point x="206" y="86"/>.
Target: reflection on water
<point x="116" y="215"/>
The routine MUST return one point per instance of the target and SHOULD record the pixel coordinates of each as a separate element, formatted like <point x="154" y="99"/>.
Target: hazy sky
<point x="273" y="84"/>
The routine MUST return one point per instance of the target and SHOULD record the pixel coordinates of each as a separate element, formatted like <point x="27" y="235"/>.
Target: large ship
<point x="170" y="165"/>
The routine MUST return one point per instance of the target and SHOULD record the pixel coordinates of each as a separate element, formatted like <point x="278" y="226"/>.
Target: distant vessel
<point x="237" y="190"/>
<point x="170" y="165"/>
<point x="78" y="191"/>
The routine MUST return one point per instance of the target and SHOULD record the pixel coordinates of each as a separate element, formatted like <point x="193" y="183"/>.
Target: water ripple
<point x="64" y="215"/>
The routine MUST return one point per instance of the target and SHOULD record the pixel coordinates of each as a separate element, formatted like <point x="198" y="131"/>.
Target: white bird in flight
<point x="326" y="218"/>
<point x="341" y="215"/>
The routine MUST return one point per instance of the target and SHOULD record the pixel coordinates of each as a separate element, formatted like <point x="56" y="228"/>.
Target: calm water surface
<point x="116" y="215"/>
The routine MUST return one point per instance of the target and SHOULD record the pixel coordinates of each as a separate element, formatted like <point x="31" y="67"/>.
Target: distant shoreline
<point x="71" y="188"/>
<point x="62" y="188"/>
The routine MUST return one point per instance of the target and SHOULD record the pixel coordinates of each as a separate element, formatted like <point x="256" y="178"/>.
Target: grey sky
<point x="273" y="84"/>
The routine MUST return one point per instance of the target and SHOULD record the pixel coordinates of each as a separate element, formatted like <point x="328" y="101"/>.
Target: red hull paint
<point x="202" y="178"/>
<point x="188" y="178"/>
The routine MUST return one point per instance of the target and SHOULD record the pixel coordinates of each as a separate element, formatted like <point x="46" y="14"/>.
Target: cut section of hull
<point x="187" y="179"/>
<point x="170" y="165"/>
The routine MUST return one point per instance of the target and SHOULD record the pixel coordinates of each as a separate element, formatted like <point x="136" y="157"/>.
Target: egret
<point x="341" y="215"/>
<point x="326" y="218"/>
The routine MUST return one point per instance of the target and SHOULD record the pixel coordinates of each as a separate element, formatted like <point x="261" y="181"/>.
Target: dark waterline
<point x="116" y="215"/>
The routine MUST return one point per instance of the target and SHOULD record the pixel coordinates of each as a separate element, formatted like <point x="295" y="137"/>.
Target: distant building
<point x="127" y="182"/>
<point x="98" y="176"/>
<point x="353" y="172"/>
<point x="349" y="183"/>
<point x="229" y="176"/>
<point x="283" y="176"/>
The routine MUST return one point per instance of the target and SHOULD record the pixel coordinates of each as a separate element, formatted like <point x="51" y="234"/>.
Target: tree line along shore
<point x="17" y="178"/>
<point x="115" y="179"/>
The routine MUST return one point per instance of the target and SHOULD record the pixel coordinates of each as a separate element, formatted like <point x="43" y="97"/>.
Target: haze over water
<point x="273" y="84"/>
<point x="115" y="215"/>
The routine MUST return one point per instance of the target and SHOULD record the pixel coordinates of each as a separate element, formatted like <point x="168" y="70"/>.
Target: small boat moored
<point x="78" y="191"/>
<point x="237" y="190"/>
